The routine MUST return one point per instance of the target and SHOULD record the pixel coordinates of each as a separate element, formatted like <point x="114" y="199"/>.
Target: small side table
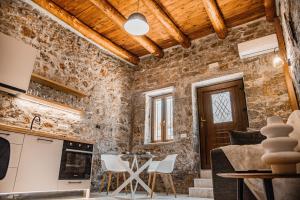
<point x="266" y="177"/>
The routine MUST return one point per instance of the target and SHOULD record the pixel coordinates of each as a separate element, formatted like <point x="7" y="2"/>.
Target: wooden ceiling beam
<point x="286" y="71"/>
<point x="86" y="30"/>
<point x="270" y="9"/>
<point x="112" y="13"/>
<point x="170" y="26"/>
<point x="215" y="17"/>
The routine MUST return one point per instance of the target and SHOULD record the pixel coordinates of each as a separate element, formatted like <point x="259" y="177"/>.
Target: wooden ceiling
<point x="171" y="22"/>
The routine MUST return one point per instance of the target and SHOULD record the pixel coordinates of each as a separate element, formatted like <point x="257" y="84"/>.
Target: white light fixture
<point x="277" y="60"/>
<point x="136" y="24"/>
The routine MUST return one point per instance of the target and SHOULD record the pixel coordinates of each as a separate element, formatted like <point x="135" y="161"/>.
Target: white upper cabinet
<point x="16" y="64"/>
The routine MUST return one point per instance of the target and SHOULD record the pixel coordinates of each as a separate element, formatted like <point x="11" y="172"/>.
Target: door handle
<point x="202" y="120"/>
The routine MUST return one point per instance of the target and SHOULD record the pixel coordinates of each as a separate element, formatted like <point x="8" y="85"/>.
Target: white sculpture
<point x="279" y="147"/>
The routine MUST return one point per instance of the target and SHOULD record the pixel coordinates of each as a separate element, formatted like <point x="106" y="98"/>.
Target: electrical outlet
<point x="63" y="126"/>
<point x="97" y="126"/>
<point x="184" y="135"/>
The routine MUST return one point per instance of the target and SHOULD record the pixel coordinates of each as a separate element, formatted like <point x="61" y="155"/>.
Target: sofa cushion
<point x="246" y="137"/>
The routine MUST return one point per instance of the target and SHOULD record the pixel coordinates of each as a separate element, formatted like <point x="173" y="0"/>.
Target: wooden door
<point x="222" y="108"/>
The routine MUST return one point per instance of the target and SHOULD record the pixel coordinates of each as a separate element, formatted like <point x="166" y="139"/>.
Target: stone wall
<point x="115" y="103"/>
<point x="73" y="61"/>
<point x="292" y="10"/>
<point x="265" y="89"/>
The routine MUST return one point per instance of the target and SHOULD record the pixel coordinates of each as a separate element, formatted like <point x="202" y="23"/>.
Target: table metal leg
<point x="268" y="186"/>
<point x="134" y="176"/>
<point x="240" y="189"/>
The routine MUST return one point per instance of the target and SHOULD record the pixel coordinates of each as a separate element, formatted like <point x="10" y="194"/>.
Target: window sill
<point x="159" y="143"/>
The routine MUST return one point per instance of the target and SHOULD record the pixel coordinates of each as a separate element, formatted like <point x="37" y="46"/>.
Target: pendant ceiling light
<point x="136" y="24"/>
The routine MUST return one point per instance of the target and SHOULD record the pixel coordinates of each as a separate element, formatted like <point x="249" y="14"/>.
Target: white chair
<point x="151" y="169"/>
<point x="164" y="167"/>
<point x="113" y="164"/>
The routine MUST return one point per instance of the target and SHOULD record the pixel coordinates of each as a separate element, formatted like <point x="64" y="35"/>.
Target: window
<point x="162" y="118"/>
<point x="221" y="106"/>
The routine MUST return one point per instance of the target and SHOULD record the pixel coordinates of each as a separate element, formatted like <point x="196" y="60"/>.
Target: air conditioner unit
<point x="258" y="46"/>
<point x="16" y="64"/>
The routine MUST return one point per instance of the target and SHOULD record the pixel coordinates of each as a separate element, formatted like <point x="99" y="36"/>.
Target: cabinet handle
<point x="74" y="182"/>
<point x="6" y="134"/>
<point x="46" y="140"/>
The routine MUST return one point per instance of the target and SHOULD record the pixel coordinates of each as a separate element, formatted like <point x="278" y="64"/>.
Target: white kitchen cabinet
<point x="13" y="138"/>
<point x="15" y="141"/>
<point x="74" y="184"/>
<point x="15" y="152"/>
<point x="39" y="164"/>
<point x="7" y="184"/>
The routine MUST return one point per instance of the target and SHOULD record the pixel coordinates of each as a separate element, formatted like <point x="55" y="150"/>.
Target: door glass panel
<point x="221" y="106"/>
<point x="75" y="163"/>
<point x="75" y="166"/>
<point x="169" y="117"/>
<point x="157" y="119"/>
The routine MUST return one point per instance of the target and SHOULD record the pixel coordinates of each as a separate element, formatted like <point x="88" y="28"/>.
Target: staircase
<point x="202" y="186"/>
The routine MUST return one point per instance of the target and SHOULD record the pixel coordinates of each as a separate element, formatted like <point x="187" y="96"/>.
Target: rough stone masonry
<point x="73" y="61"/>
<point x="266" y="92"/>
<point x="115" y="101"/>
<point x="290" y="16"/>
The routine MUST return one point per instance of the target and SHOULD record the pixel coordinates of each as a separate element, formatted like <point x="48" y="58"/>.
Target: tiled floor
<point x="122" y="196"/>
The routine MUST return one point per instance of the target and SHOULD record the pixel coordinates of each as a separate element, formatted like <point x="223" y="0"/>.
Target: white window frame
<point x="148" y="108"/>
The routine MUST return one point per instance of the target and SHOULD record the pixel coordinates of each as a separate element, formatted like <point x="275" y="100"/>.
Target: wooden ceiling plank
<point x="270" y="9"/>
<point x="189" y="16"/>
<point x="86" y="31"/>
<point x="112" y="13"/>
<point x="215" y="17"/>
<point x="170" y="26"/>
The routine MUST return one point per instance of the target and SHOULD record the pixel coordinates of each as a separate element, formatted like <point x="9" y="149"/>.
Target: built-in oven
<point x="76" y="161"/>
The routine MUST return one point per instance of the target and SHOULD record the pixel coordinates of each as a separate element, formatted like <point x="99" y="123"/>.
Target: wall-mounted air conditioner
<point x="16" y="64"/>
<point x="258" y="46"/>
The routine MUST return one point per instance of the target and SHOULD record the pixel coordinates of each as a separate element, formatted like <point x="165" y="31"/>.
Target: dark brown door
<point x="222" y="108"/>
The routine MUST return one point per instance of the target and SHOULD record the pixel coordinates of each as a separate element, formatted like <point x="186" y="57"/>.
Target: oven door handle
<point x="78" y="151"/>
<point x="74" y="182"/>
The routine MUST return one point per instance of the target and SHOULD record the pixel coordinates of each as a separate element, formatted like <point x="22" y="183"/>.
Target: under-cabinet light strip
<point x="50" y="103"/>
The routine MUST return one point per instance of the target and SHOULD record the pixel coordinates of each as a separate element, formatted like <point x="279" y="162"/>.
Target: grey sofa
<point x="226" y="189"/>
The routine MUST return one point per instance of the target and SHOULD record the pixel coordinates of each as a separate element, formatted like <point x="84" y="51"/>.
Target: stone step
<point x="205" y="174"/>
<point x="203" y="183"/>
<point x="201" y="192"/>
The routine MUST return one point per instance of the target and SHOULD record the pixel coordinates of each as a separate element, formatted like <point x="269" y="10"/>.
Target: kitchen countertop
<point x="56" y="135"/>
